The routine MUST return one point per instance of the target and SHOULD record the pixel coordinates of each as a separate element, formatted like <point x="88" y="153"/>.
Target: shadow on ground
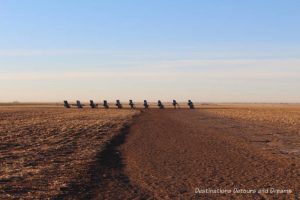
<point x="106" y="177"/>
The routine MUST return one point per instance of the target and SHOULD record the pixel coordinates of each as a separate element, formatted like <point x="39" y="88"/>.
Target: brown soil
<point x="171" y="153"/>
<point x="164" y="154"/>
<point x="52" y="152"/>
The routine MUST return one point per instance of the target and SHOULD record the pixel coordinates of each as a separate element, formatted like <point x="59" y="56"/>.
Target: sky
<point x="207" y="51"/>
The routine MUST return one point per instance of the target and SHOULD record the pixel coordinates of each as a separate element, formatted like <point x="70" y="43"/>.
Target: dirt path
<point x="171" y="153"/>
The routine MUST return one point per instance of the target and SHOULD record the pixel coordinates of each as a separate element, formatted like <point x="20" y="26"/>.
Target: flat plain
<point x="57" y="153"/>
<point x="44" y="150"/>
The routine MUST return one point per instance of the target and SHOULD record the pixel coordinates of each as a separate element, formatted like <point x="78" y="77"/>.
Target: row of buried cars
<point x="119" y="105"/>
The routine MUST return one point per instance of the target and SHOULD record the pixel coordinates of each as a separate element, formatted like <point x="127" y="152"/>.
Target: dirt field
<point x="57" y="153"/>
<point x="215" y="148"/>
<point x="45" y="151"/>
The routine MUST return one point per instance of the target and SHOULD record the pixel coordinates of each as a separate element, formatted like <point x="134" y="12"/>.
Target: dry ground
<point x="274" y="127"/>
<point x="43" y="151"/>
<point x="219" y="147"/>
<point x="165" y="154"/>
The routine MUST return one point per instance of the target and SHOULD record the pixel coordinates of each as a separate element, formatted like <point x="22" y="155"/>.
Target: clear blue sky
<point x="218" y="51"/>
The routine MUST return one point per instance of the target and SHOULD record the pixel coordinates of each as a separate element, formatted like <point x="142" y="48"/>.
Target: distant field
<point x="168" y="104"/>
<point x="274" y="126"/>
